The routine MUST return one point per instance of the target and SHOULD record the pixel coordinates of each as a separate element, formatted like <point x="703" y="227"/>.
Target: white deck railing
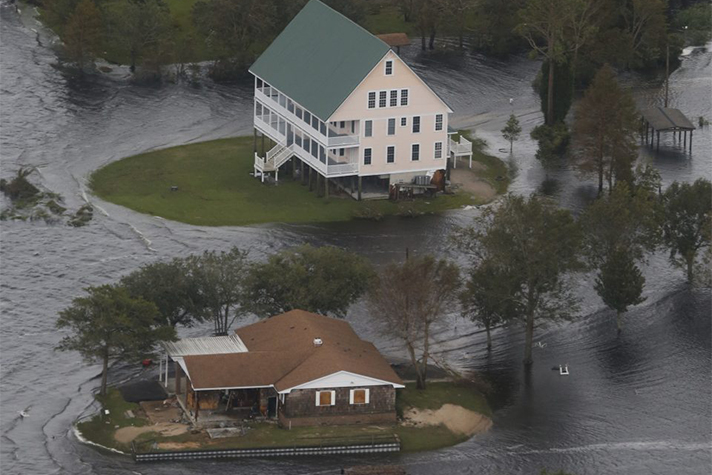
<point x="463" y="147"/>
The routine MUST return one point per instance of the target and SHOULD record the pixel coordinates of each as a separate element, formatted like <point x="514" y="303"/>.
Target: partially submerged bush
<point x="553" y="142"/>
<point x="82" y="216"/>
<point x="19" y="188"/>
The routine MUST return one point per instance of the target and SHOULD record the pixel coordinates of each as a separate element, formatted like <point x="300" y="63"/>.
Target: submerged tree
<point x="687" y="227"/>
<point x="108" y="325"/>
<point x="605" y="130"/>
<point x="83" y="33"/>
<point x="620" y="283"/>
<point x="324" y="280"/>
<point x="537" y="246"/>
<point x="219" y="278"/>
<point x="409" y="298"/>
<point x="511" y="131"/>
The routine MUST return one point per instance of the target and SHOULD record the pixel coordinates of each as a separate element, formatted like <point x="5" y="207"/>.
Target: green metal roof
<point x="319" y="59"/>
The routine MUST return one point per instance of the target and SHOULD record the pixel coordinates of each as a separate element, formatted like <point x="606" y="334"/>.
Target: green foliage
<point x="535" y="246"/>
<point x="511" y="131"/>
<point x="324" y="280"/>
<point x="108" y="324"/>
<point x="218" y="280"/>
<point x="82" y="216"/>
<point x="620" y="283"/>
<point x="696" y="22"/>
<point x="408" y="298"/>
<point x="605" y="131"/>
<point x="563" y="92"/>
<point x="83" y="34"/>
<point x="170" y="286"/>
<point x="493" y="25"/>
<point x="553" y="143"/>
<point x="687" y="227"/>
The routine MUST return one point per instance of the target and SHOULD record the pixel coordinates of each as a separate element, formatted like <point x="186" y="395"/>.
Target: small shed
<point x="395" y="40"/>
<point x="666" y="119"/>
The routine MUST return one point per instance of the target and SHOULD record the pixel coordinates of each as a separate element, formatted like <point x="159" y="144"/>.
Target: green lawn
<point x="215" y="188"/>
<point x="496" y="173"/>
<point x="435" y="395"/>
<point x="100" y="428"/>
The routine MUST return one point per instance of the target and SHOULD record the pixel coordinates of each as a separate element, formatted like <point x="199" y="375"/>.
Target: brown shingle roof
<point x="281" y="352"/>
<point x="394" y="39"/>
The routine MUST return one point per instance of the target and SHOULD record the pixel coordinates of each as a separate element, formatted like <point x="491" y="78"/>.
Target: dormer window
<point x="389" y="67"/>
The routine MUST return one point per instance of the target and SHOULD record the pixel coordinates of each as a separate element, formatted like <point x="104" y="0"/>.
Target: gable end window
<point x="382" y="98"/>
<point x="389" y="67"/>
<point x="438" y="122"/>
<point x="371" y="100"/>
<point x="366" y="156"/>
<point x="394" y="98"/>
<point x="416" y="124"/>
<point x="368" y="128"/>
<point x="404" y="97"/>
<point x="415" y="152"/>
<point x="391" y="154"/>
<point x="359" y="396"/>
<point x="325" y="398"/>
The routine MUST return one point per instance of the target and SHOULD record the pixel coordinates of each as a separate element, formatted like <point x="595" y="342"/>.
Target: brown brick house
<point x="299" y="367"/>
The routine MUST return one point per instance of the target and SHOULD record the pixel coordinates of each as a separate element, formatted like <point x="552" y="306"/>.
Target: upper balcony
<point x="329" y="135"/>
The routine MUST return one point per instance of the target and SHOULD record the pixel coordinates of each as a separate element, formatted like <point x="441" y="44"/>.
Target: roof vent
<point x="318" y="342"/>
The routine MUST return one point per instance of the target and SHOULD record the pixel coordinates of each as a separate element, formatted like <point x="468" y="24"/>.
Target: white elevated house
<point x="339" y="100"/>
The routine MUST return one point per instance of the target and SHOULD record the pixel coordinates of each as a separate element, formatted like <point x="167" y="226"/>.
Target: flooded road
<point x="637" y="404"/>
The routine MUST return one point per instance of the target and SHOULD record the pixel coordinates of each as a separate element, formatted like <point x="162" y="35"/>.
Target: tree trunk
<point x="426" y="354"/>
<point x="529" y="337"/>
<point x="550" y="95"/>
<point x="511" y="146"/>
<point x="431" y="45"/>
<point x="600" y="175"/>
<point x="690" y="260"/>
<point x="419" y="384"/>
<point x="104" y="374"/>
<point x="422" y="41"/>
<point x="619" y="321"/>
<point x="489" y="337"/>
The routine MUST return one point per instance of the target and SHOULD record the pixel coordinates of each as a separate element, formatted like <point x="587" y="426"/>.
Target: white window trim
<point x="318" y="399"/>
<point x="351" y="396"/>
<point x="364" y="128"/>
<point x="400" y="96"/>
<point x="364" y="157"/>
<point x="435" y="147"/>
<point x="375" y="102"/>
<point x="384" y="91"/>
<point x="435" y="122"/>
<point x="394" y="155"/>
<point x="406" y="122"/>
<point x="385" y="67"/>
<point x="395" y="126"/>
<point x="420" y="124"/>
<point x="411" y="152"/>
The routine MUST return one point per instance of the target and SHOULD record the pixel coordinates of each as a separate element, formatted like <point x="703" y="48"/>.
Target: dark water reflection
<point x="634" y="404"/>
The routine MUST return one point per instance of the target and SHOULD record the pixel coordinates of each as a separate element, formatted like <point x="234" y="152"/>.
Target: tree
<point x="141" y="27"/>
<point x="536" y="245"/>
<point x="486" y="298"/>
<point x="620" y="283"/>
<point x="543" y="24"/>
<point x="108" y="324"/>
<point x="582" y="29"/>
<point x="458" y="13"/>
<point x="644" y="27"/>
<point x="408" y="298"/>
<point x="605" y="130"/>
<point x="171" y="287"/>
<point x="428" y="15"/>
<point x="687" y="228"/>
<point x="511" y="131"/>
<point x="219" y="279"/>
<point x="82" y="34"/>
<point x="324" y="280"/>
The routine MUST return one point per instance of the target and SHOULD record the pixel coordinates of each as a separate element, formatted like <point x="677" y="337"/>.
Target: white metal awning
<point x="211" y="345"/>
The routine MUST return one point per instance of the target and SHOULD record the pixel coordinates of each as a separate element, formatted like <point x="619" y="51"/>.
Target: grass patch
<point x="101" y="428"/>
<point x="437" y="394"/>
<point x="215" y="188"/>
<point x="496" y="172"/>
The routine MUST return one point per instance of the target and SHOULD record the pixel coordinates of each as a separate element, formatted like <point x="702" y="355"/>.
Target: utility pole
<point x="667" y="72"/>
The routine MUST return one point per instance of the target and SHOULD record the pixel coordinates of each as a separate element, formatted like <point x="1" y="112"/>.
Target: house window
<point x="298" y="139"/>
<point x="259" y="83"/>
<point x="307" y="117"/>
<point x="404" y="121"/>
<point x="389" y="67"/>
<point x="258" y="109"/>
<point x="391" y="154"/>
<point x="306" y="144"/>
<point x="438" y="122"/>
<point x="359" y="396"/>
<point x="415" y="152"/>
<point x="322" y="128"/>
<point x="382" y="96"/>
<point x="366" y="156"/>
<point x="394" y="98"/>
<point x="404" y="97"/>
<point x="438" y="150"/>
<point x="368" y="128"/>
<point x="325" y="398"/>
<point x="371" y="100"/>
<point x="341" y="152"/>
<point x="282" y="100"/>
<point x="342" y="124"/>
<point x="391" y="126"/>
<point x="315" y="123"/>
<point x="290" y="106"/>
<point x="299" y="112"/>
<point x="416" y="124"/>
<point x="322" y="154"/>
<point x="314" y="149"/>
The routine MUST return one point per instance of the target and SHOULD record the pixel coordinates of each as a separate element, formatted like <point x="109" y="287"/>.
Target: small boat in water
<point x="564" y="370"/>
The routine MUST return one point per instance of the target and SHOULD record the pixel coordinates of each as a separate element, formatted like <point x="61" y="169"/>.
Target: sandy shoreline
<point x="456" y="418"/>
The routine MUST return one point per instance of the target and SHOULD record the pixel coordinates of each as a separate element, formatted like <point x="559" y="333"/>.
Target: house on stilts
<point x="341" y="107"/>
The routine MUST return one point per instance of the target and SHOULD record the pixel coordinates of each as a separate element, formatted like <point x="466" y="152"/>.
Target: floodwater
<point x="634" y="404"/>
